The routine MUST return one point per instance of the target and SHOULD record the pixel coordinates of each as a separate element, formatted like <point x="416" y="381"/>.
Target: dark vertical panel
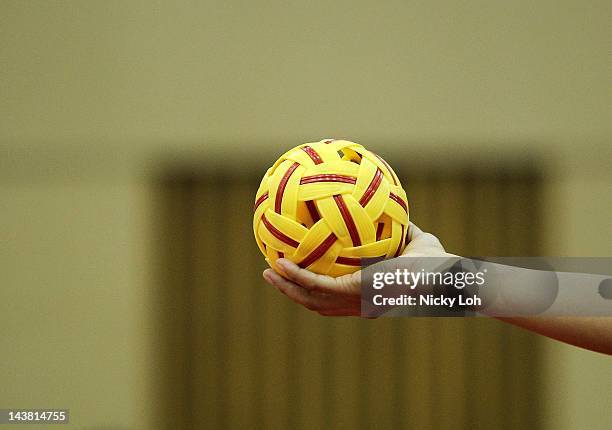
<point x="209" y="296"/>
<point x="418" y="409"/>
<point x="219" y="262"/>
<point x="450" y="205"/>
<point x="258" y="332"/>
<point x="505" y="235"/>
<point x="328" y="371"/>
<point x="237" y="307"/>
<point x="239" y="354"/>
<point x="418" y="349"/>
<point x="188" y="225"/>
<point x="380" y="372"/>
<point x="399" y="332"/>
<point x="398" y="361"/>
<point x="172" y="386"/>
<point x="291" y="363"/>
<point x="311" y="361"/>
<point x="488" y="347"/>
<point x="531" y="186"/>
<point x="348" y="382"/>
<point x="519" y="213"/>
<point x="470" y="401"/>
<point x="277" y="361"/>
<point x="451" y="202"/>
<point x="435" y="408"/>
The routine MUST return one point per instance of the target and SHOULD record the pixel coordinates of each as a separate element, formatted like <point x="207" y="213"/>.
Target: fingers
<point x="348" y="285"/>
<point x="325" y="305"/>
<point x="342" y="296"/>
<point x="294" y="292"/>
<point x="343" y="312"/>
<point x="421" y="241"/>
<point x="422" y="237"/>
<point x="305" y="278"/>
<point x="413" y="231"/>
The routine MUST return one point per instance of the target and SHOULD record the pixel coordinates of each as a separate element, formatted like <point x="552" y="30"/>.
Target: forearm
<point x="593" y="333"/>
<point x="560" y="305"/>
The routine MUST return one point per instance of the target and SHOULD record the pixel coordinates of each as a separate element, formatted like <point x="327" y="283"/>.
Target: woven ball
<point x="328" y="204"/>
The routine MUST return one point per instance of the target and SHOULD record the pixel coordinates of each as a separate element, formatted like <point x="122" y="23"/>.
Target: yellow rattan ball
<point x="325" y="205"/>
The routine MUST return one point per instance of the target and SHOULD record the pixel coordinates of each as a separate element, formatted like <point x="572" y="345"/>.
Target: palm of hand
<point x="341" y="296"/>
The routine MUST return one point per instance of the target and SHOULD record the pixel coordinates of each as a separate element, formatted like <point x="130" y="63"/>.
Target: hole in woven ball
<point x="383" y="227"/>
<point x="307" y="213"/>
<point x="350" y="155"/>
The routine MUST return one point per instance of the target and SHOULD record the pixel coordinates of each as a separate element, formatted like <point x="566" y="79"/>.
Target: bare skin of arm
<point x="342" y="297"/>
<point x="593" y="333"/>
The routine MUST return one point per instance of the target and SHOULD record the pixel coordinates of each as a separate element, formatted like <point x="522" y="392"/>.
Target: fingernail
<point x="267" y="275"/>
<point x="282" y="262"/>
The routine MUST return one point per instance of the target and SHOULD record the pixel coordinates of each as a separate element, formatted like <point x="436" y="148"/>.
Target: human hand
<point x="341" y="296"/>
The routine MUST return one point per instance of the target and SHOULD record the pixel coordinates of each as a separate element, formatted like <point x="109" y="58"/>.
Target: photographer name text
<point x="426" y="300"/>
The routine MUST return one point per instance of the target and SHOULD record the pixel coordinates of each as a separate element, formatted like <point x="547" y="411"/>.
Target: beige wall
<point x="92" y="93"/>
<point x="579" y="224"/>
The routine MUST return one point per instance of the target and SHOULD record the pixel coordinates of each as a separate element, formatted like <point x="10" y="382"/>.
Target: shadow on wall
<point x="236" y="354"/>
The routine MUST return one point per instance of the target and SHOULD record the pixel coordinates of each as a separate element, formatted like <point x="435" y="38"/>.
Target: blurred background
<point x="133" y="135"/>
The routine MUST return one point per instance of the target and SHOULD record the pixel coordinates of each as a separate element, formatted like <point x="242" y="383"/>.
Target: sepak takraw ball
<point x="328" y="204"/>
